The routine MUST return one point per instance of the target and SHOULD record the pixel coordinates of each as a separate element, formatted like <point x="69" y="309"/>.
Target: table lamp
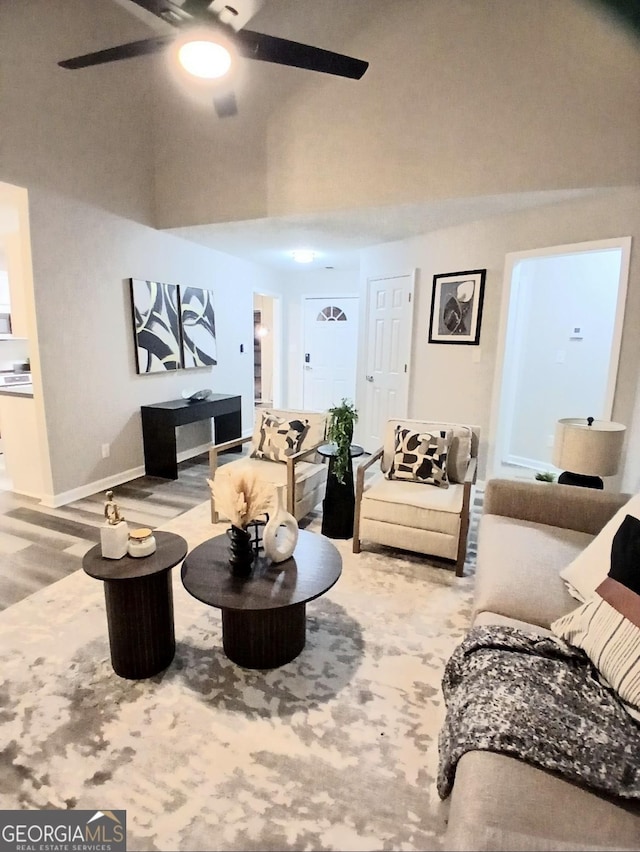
<point x="587" y="449"/>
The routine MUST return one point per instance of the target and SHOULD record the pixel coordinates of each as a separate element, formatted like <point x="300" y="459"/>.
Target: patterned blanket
<point x="538" y="699"/>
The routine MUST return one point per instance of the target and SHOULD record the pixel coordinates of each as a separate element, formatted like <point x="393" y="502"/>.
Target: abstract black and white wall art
<point x="156" y="325"/>
<point x="456" y="307"/>
<point x="198" y="327"/>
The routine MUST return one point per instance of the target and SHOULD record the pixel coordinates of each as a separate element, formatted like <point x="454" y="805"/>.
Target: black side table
<point x="139" y="601"/>
<point x="339" y="499"/>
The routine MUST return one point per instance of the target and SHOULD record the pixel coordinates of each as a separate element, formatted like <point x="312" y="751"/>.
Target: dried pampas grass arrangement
<point x="241" y="496"/>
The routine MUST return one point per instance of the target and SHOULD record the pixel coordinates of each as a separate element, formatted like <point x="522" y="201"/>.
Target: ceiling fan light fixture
<point x="205" y="59"/>
<point x="303" y="255"/>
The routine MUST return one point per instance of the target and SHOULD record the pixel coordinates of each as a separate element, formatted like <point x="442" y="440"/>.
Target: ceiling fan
<point x="216" y="28"/>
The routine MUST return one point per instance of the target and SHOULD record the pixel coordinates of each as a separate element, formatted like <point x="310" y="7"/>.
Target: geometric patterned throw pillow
<point x="607" y="625"/>
<point x="420" y="457"/>
<point x="279" y="438"/>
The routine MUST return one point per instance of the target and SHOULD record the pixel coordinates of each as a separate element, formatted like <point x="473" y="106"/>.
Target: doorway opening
<point x="265" y="349"/>
<point x="561" y="328"/>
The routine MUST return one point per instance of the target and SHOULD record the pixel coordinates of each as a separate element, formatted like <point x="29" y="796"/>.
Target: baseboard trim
<point x="54" y="501"/>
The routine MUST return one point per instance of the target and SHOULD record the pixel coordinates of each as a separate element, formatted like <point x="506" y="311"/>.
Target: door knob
<point x="369" y="378"/>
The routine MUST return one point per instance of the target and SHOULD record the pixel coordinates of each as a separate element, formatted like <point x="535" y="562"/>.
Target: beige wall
<point x="446" y="383"/>
<point x="82" y="144"/>
<point x="85" y="133"/>
<point x="82" y="259"/>
<point x="462" y="98"/>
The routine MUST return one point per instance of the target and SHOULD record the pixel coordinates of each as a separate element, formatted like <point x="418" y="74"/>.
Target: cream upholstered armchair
<point x="420" y="499"/>
<point x="283" y="452"/>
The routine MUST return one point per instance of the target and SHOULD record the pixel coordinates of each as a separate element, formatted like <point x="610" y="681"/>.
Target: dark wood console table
<point x="159" y="423"/>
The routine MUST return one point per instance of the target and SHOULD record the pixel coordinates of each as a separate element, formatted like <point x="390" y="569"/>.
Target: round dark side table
<point x="264" y="614"/>
<point x="139" y="602"/>
<point x="339" y="499"/>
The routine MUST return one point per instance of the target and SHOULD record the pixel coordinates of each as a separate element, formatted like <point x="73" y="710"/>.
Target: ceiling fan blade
<point x="282" y="51"/>
<point x="123" y="51"/>
<point x="225" y="105"/>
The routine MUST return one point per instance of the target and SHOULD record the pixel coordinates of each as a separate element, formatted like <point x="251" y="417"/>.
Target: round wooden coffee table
<point x="264" y="614"/>
<point x="139" y="601"/>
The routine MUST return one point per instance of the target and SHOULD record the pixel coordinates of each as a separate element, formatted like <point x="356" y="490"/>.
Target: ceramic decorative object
<point x="142" y="542"/>
<point x="114" y="533"/>
<point x="241" y="551"/>
<point x="281" y="531"/>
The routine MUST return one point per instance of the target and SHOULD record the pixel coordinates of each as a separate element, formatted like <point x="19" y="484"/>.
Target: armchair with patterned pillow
<point x="420" y="500"/>
<point x="283" y="452"/>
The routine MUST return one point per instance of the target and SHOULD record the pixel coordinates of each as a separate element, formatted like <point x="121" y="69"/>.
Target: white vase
<point x="281" y="531"/>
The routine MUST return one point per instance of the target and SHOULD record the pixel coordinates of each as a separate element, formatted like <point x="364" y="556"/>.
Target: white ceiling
<point x="338" y="237"/>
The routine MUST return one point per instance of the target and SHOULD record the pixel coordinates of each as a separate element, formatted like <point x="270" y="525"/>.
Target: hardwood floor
<point x="39" y="545"/>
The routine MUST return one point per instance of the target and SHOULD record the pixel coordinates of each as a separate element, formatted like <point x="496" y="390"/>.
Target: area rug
<point x="335" y="751"/>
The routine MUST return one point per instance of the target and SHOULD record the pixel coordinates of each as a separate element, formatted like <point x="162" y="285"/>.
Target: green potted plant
<point x="340" y="432"/>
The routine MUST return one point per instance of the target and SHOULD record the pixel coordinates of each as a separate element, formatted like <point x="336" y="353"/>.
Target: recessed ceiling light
<point x="303" y="255"/>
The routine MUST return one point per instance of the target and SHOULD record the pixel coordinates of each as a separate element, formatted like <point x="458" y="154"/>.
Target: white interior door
<point x="330" y="351"/>
<point x="389" y="337"/>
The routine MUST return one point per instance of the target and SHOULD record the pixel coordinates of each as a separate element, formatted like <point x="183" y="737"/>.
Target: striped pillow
<point x="607" y="625"/>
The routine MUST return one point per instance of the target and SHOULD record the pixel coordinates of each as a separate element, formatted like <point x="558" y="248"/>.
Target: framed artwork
<point x="156" y="326"/>
<point x="456" y="307"/>
<point x="198" y="327"/>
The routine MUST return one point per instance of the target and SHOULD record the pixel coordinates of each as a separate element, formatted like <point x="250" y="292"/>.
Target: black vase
<point x="241" y="551"/>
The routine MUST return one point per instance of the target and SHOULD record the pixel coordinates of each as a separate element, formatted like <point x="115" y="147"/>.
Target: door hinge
<point x="409" y="296"/>
<point x="405" y="368"/>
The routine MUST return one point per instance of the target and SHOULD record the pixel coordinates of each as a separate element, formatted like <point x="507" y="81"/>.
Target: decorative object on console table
<point x="197" y="396"/>
<point x="281" y="531"/>
<point x="587" y="449"/>
<point x="198" y="326"/>
<point x="114" y="533"/>
<point x="156" y="327"/>
<point x="242" y="498"/>
<point x="456" y="307"/>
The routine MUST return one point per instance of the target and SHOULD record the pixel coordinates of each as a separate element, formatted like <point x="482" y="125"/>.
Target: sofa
<point x="528" y="533"/>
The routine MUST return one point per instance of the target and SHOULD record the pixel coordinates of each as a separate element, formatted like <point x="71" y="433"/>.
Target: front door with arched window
<point x="330" y="351"/>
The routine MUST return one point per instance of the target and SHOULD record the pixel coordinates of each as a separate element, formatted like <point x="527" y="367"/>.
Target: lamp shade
<point x="589" y="449"/>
